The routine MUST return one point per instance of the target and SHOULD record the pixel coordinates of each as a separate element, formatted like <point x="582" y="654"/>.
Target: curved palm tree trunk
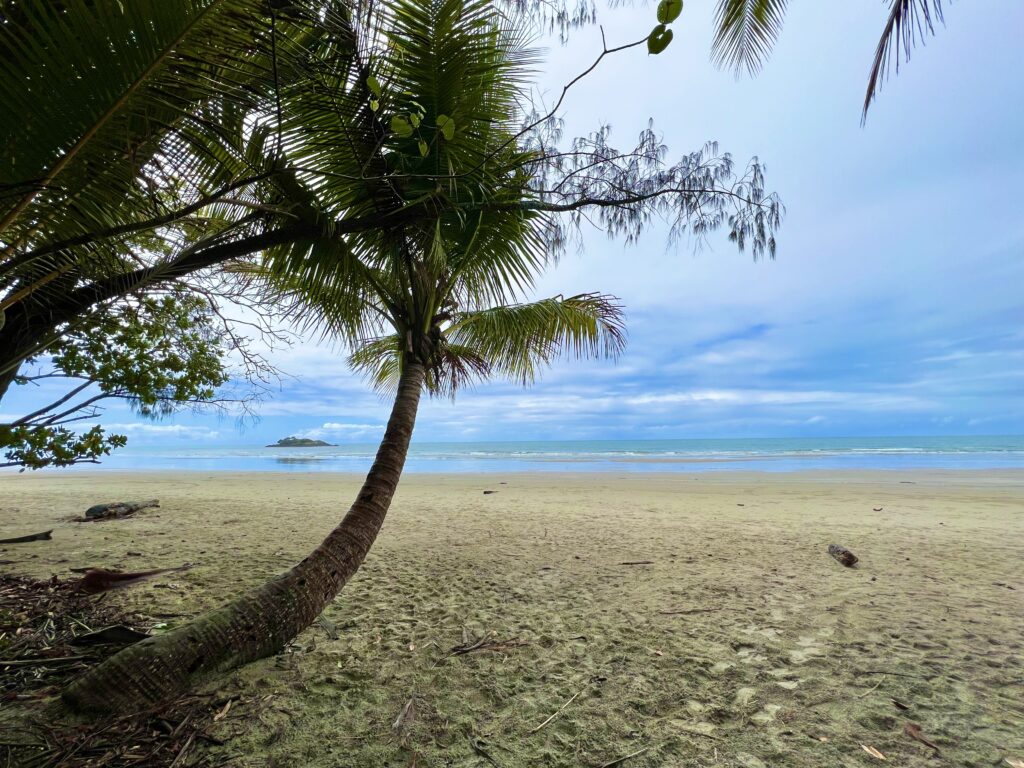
<point x="258" y="624"/>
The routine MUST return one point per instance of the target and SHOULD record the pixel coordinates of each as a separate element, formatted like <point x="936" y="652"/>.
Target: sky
<point x="895" y="304"/>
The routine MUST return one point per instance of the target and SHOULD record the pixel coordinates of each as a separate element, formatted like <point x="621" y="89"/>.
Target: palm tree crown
<point x="436" y="118"/>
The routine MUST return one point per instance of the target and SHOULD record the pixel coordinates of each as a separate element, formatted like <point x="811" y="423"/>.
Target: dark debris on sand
<point x="39" y="620"/>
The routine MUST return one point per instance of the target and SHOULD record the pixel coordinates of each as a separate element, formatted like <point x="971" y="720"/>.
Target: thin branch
<point x="137" y="226"/>
<point x="80" y="406"/>
<point x="24" y="420"/>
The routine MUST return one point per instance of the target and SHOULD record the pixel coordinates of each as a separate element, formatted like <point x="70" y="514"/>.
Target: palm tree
<point x="122" y="124"/>
<point x="746" y="30"/>
<point x="427" y="128"/>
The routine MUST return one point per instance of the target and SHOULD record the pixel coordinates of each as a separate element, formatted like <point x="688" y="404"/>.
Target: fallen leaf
<point x="872" y="751"/>
<point x="224" y="712"/>
<point x="1014" y="762"/>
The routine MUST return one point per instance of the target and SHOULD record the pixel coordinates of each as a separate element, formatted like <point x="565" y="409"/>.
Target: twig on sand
<point x="37" y="661"/>
<point x="44" y="536"/>
<point x="688" y="610"/>
<point x="895" y="674"/>
<point x="559" y="711"/>
<point x="913" y="730"/>
<point x="483" y="644"/>
<point x="624" y="758"/>
<point x="478" y="747"/>
<point x="184" y="750"/>
<point x="638" y="562"/>
<point x="872" y="688"/>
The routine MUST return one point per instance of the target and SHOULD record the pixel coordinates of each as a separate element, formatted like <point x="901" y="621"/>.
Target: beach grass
<point x="580" y="620"/>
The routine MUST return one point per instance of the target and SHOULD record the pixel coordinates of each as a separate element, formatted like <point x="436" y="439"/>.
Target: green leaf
<point x="414" y="119"/>
<point x="659" y="39"/>
<point x="374" y="85"/>
<point x="446" y="126"/>
<point x="669" y="10"/>
<point x="424" y="148"/>
<point x="401" y="126"/>
<point x="374" y="105"/>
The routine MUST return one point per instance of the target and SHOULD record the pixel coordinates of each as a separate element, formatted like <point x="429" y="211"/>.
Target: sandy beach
<point x="672" y="620"/>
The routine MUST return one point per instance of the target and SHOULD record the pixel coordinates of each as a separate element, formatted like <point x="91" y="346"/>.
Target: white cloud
<point x="342" y="430"/>
<point x="178" y="431"/>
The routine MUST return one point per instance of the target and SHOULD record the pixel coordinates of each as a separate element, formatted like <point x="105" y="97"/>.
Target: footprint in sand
<point x="766" y="715"/>
<point x="768" y="632"/>
<point x="780" y="674"/>
<point x="809" y="649"/>
<point x="749" y="654"/>
<point x="743" y="696"/>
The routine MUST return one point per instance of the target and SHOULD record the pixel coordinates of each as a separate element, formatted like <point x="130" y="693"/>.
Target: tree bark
<point x="261" y="623"/>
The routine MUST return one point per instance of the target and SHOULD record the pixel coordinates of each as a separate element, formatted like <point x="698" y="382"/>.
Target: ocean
<point x="760" y="455"/>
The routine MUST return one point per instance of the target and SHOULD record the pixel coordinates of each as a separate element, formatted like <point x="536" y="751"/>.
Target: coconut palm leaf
<point x="89" y="87"/>
<point x="745" y="31"/>
<point x="909" y="22"/>
<point x="518" y="340"/>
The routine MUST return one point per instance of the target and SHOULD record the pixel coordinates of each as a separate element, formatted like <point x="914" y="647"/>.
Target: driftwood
<point x="118" y="509"/>
<point x="843" y="555"/>
<point x="44" y="536"/>
<point x="118" y="634"/>
<point x="100" y="579"/>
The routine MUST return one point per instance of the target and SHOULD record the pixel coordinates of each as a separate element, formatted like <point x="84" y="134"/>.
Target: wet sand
<point x="741" y="642"/>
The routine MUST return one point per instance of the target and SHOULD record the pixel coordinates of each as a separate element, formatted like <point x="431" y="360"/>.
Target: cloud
<point x="172" y="431"/>
<point x="340" y="430"/>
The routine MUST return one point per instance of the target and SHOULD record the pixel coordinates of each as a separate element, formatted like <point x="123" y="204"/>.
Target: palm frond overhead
<point x="908" y="24"/>
<point x="90" y="87"/>
<point x="518" y="340"/>
<point x="745" y="32"/>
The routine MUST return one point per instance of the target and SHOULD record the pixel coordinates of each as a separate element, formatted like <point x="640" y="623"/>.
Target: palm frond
<point x="380" y="360"/>
<point x="89" y="88"/>
<point x="517" y="340"/>
<point x="745" y="31"/>
<point x="908" y="24"/>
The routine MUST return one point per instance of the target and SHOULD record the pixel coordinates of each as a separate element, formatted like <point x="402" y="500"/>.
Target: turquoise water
<point x="763" y="455"/>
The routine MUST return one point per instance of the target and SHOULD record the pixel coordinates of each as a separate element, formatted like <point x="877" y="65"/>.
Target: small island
<point x="300" y="442"/>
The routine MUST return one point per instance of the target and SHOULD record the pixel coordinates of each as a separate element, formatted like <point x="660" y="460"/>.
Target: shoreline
<point x="821" y="473"/>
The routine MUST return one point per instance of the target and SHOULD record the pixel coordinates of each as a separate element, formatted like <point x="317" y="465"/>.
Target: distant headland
<point x="299" y="442"/>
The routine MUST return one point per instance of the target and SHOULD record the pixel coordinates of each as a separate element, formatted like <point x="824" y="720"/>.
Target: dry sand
<point x="742" y="643"/>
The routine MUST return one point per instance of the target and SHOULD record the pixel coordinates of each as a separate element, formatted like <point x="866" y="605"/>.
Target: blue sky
<point x="895" y="306"/>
